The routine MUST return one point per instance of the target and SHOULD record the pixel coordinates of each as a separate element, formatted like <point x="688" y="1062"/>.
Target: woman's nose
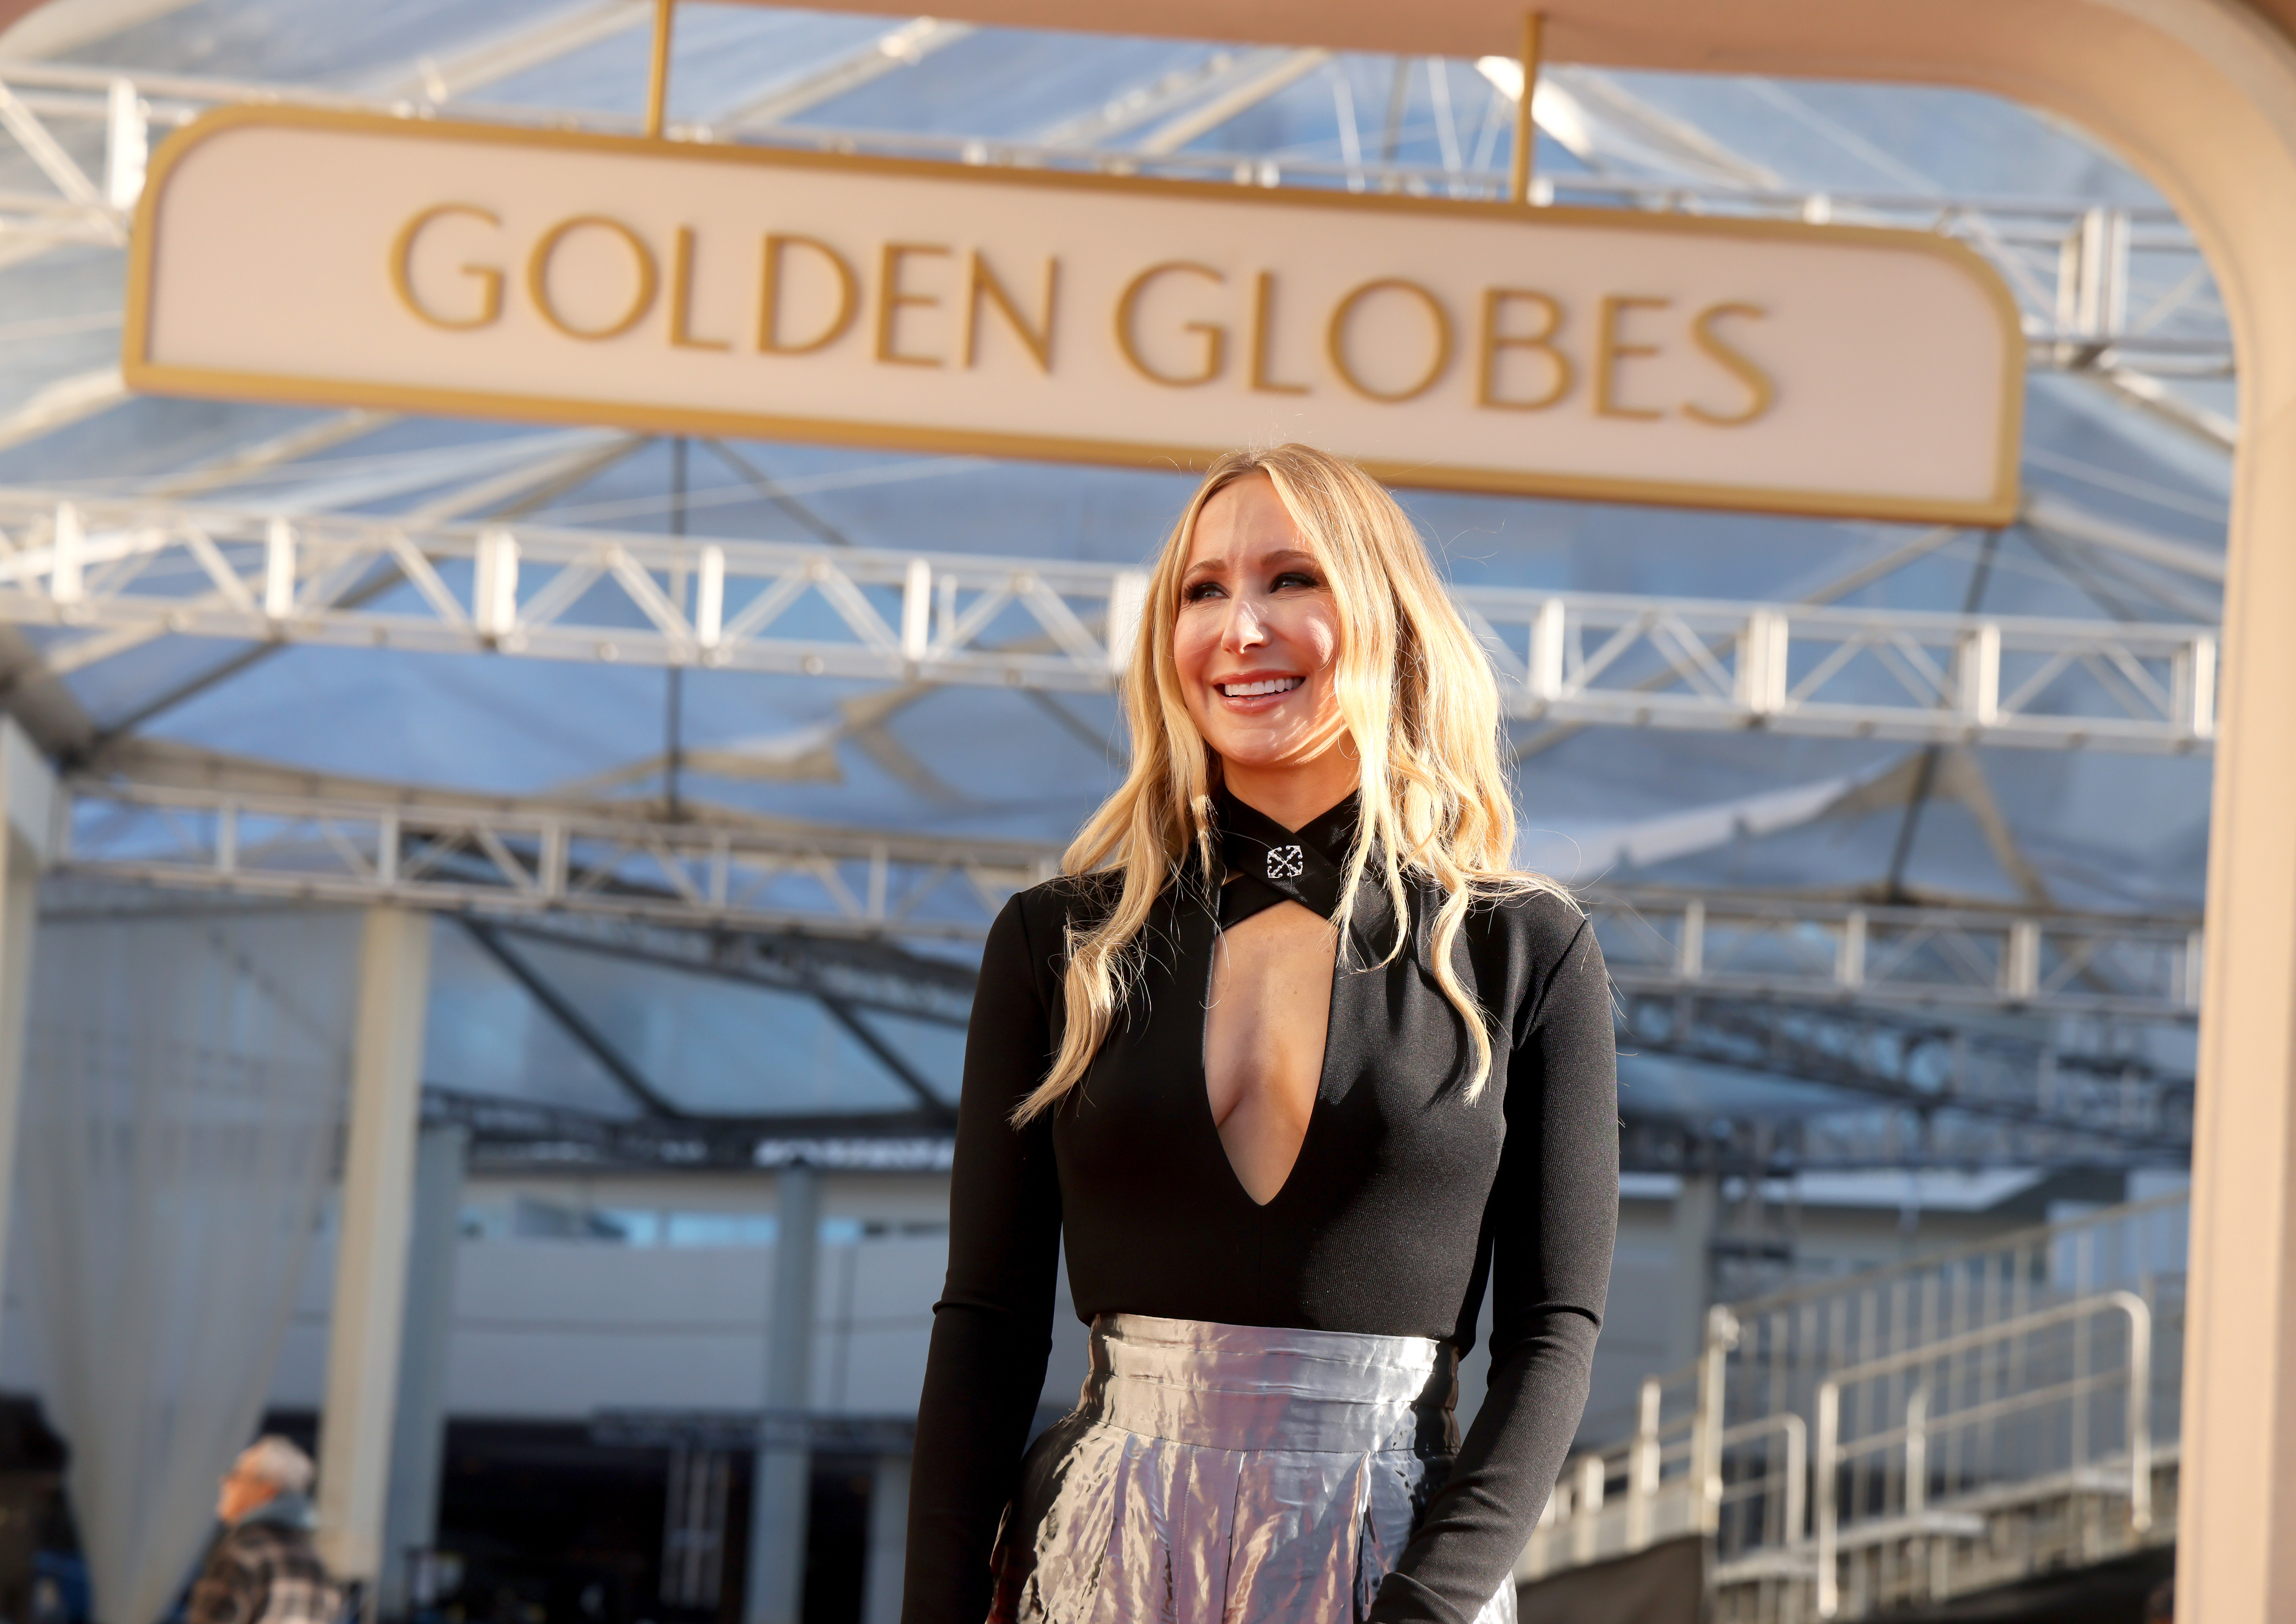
<point x="1244" y="628"/>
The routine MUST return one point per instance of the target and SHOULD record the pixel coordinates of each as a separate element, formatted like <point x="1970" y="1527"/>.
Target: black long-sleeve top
<point x="1406" y="1199"/>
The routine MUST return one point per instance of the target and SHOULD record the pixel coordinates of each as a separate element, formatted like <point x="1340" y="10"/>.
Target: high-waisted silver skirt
<point x="1229" y="1475"/>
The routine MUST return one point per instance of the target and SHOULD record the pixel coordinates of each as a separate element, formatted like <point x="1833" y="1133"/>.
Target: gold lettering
<point x="769" y="299"/>
<point x="1762" y="390"/>
<point x="1127" y="310"/>
<point x="1039" y="340"/>
<point x="1496" y="301"/>
<point x="892" y="298"/>
<point x="1263" y="324"/>
<point x="681" y="298"/>
<point x="1611" y="348"/>
<point x="538" y="277"/>
<point x="1335" y="340"/>
<point x="402" y="270"/>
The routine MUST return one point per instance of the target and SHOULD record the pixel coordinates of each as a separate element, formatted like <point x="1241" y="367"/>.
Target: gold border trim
<point x="144" y="375"/>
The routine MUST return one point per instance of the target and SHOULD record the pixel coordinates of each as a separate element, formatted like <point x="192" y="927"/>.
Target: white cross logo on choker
<point x="1285" y="863"/>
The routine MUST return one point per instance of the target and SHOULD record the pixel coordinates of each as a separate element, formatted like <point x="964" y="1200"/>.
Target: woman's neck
<point x="1293" y="795"/>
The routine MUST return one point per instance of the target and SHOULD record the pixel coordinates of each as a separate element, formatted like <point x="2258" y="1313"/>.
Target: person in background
<point x="264" y="1568"/>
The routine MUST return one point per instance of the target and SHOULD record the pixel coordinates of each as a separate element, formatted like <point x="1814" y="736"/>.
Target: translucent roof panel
<point x="486" y="1034"/>
<point x="709" y="1045"/>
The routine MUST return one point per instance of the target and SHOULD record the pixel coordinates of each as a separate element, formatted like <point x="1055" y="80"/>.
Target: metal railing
<point x="2006" y="1390"/>
<point x="1977" y="1413"/>
<point x="1667" y="1475"/>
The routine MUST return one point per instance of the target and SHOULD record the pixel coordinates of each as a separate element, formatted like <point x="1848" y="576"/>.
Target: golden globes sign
<point x="324" y="259"/>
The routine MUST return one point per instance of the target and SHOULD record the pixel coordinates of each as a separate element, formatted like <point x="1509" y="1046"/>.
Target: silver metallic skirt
<point x="1229" y="1475"/>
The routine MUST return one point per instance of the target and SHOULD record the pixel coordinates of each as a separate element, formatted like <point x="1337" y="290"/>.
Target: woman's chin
<point x="1254" y="754"/>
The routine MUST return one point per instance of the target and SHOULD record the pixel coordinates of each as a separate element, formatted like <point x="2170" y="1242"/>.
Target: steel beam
<point x="896" y="48"/>
<point x="2082" y="1103"/>
<point x="118" y="573"/>
<point x="532" y="859"/>
<point x="517" y="1137"/>
<point x="530" y="44"/>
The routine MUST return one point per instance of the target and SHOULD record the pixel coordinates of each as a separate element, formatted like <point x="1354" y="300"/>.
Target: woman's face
<point x="1257" y="635"/>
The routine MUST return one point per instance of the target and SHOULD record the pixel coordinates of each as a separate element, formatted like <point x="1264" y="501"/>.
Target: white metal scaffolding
<point x="114" y="575"/>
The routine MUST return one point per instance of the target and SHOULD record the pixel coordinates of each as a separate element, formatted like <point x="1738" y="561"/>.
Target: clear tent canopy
<point x="2126" y="470"/>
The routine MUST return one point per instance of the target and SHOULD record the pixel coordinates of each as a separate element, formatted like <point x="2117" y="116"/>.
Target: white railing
<point x="1911" y="1438"/>
<point x="1669" y="1472"/>
<point x="1976" y="1417"/>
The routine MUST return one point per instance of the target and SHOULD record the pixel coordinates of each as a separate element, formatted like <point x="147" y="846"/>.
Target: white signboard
<point x="343" y="259"/>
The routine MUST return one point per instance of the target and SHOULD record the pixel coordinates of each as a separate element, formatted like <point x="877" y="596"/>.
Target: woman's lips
<point x="1254" y="694"/>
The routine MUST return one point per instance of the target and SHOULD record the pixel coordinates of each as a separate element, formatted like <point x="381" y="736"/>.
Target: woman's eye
<point x="1200" y="591"/>
<point x="1296" y="577"/>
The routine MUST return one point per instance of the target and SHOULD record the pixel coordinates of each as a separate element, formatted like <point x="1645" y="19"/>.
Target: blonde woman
<point x="1300" y="1066"/>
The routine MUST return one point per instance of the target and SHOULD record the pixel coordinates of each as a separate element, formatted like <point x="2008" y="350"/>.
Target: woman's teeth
<point x="1254" y="690"/>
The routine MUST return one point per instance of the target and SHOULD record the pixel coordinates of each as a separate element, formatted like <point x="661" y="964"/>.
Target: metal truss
<point x="531" y="860"/>
<point x="525" y="859"/>
<point x="1943" y="1093"/>
<point x="1932" y="1061"/>
<point x="1834" y="1142"/>
<point x="2117" y="293"/>
<point x="874" y="976"/>
<point x="113" y="574"/>
<point x="510" y="1136"/>
<point x="519" y="1136"/>
<point x="1769" y="946"/>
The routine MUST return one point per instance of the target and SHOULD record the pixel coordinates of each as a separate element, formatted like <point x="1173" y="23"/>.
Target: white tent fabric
<point x="1585" y="855"/>
<point x="182" y="1099"/>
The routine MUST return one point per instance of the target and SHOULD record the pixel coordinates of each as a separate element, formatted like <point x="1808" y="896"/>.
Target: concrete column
<point x="418" y="1446"/>
<point x="1697" y="1211"/>
<point x="888" y="1540"/>
<point x="28" y="803"/>
<point x="365" y="1329"/>
<point x="785" y="1471"/>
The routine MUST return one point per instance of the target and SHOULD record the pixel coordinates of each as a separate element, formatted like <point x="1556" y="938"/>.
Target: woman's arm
<point x="1553" y="1218"/>
<point x="992" y="1327"/>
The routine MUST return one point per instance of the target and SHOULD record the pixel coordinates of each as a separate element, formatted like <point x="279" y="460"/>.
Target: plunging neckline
<point x="1204" y="1065"/>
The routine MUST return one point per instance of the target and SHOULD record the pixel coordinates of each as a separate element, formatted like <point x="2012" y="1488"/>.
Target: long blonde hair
<point x="1422" y="714"/>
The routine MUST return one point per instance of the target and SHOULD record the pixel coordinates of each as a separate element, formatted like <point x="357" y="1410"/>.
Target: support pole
<point x="418" y="1446"/>
<point x="27" y="822"/>
<point x="1696" y="1215"/>
<point x="888" y="1540"/>
<point x="784" y="1481"/>
<point x="658" y="79"/>
<point x="364" y="1331"/>
<point x="1526" y="128"/>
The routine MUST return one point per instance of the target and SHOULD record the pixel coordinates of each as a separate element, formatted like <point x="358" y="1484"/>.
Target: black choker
<point x="1267" y="863"/>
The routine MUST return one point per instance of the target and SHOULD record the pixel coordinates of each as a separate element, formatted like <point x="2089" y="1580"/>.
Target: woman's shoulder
<point x="1029" y="939"/>
<point x="1540" y="921"/>
<point x="1070" y="898"/>
<point x="1046" y="912"/>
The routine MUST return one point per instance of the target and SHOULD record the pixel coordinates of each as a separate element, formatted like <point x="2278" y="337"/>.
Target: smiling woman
<point x="1300" y="1065"/>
